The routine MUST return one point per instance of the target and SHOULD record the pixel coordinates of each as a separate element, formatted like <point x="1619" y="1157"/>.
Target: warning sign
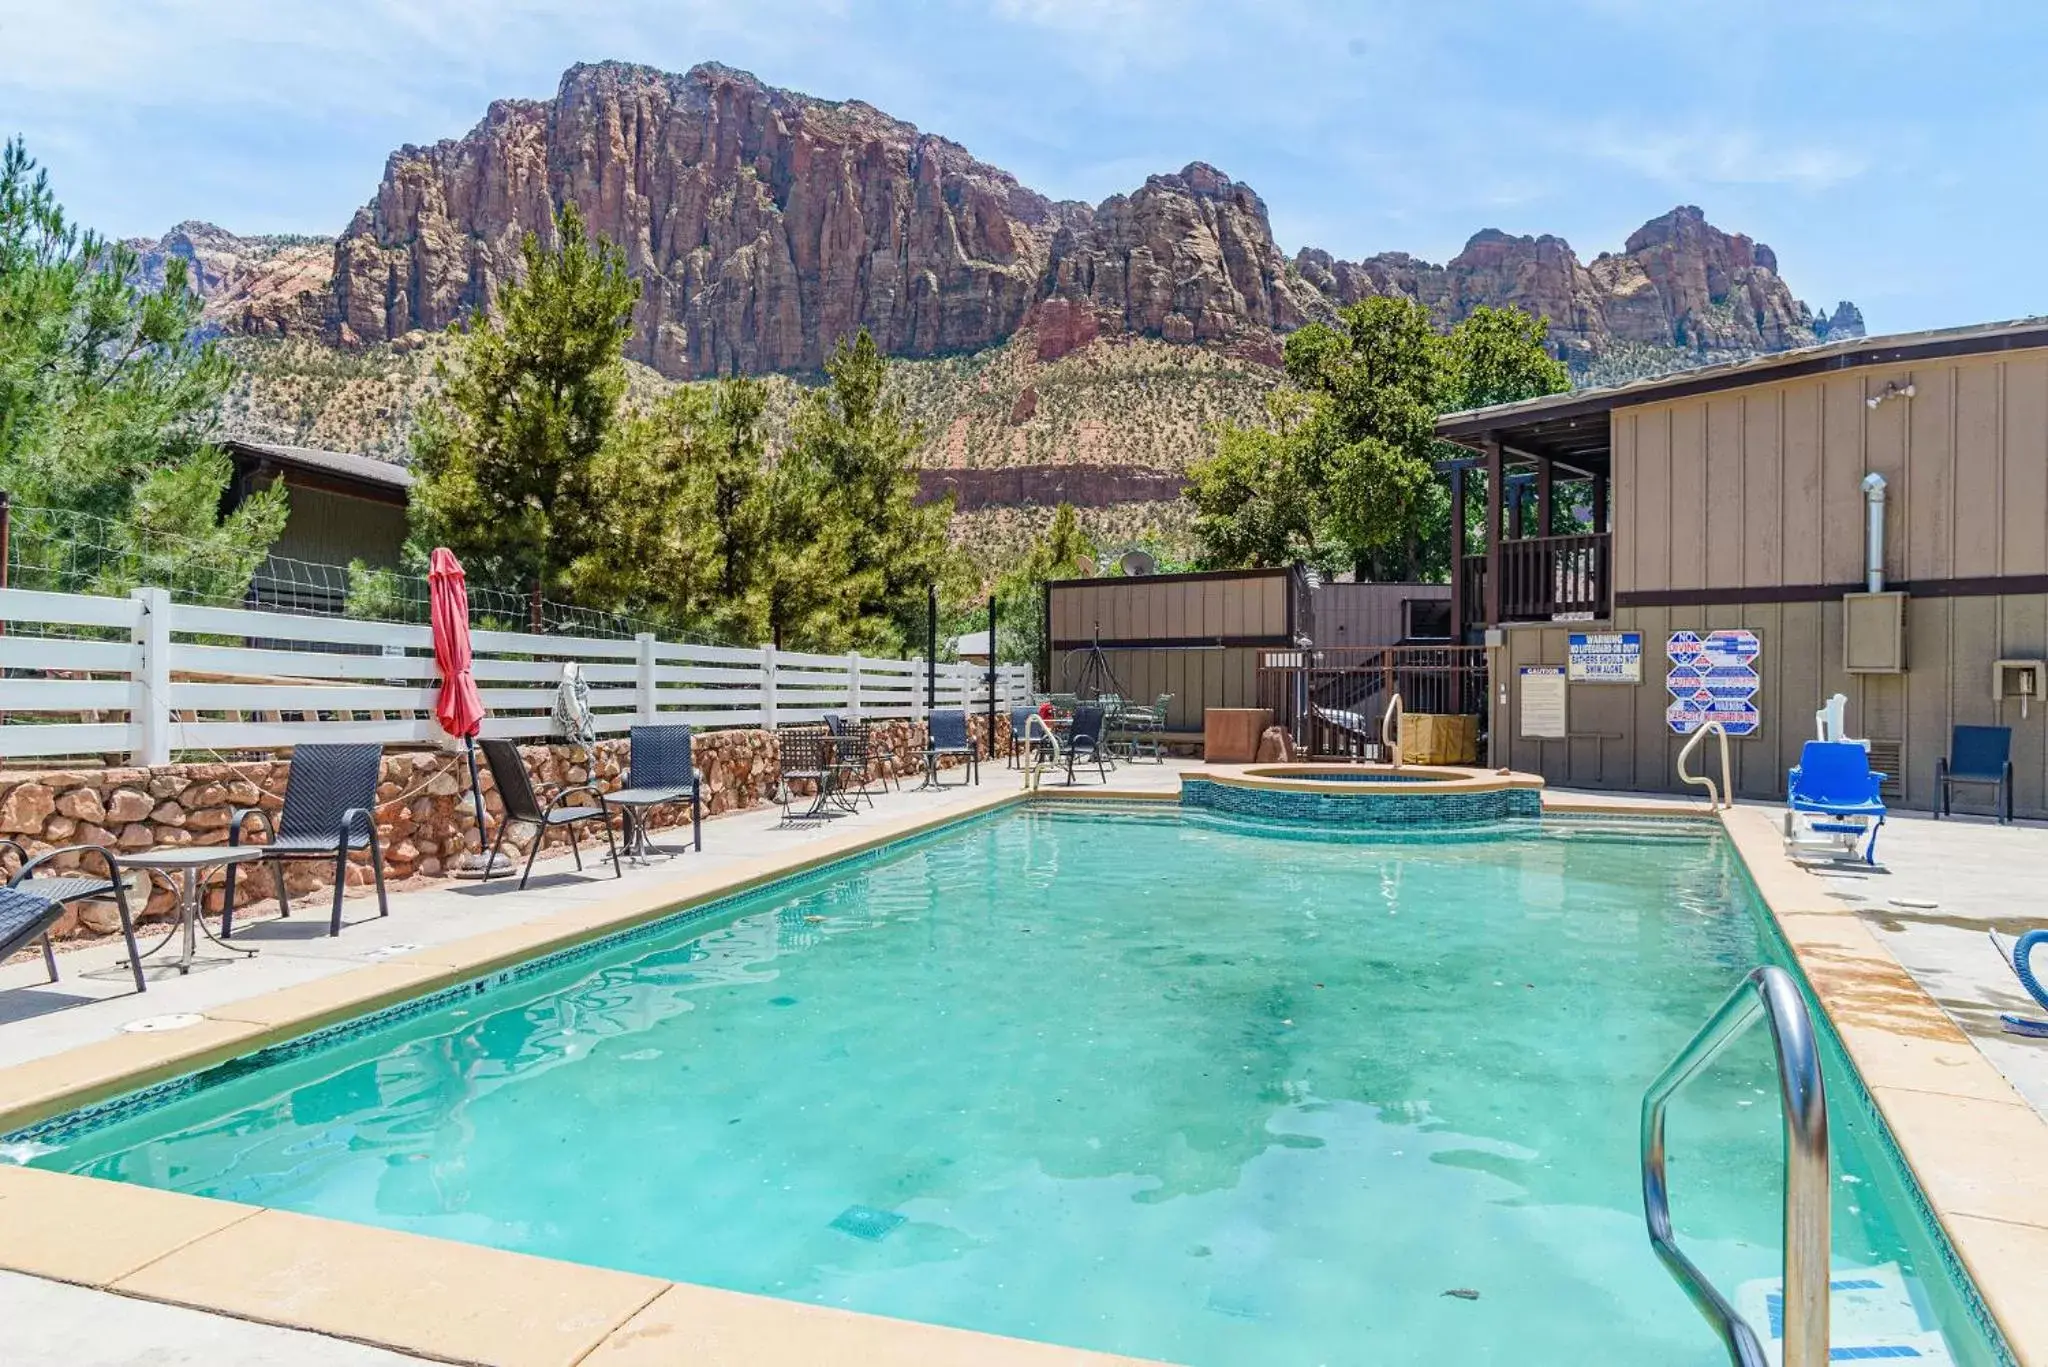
<point x="1604" y="656"/>
<point x="1713" y="678"/>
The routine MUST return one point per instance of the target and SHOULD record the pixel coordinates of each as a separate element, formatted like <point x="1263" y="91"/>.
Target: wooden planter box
<point x="1431" y="738"/>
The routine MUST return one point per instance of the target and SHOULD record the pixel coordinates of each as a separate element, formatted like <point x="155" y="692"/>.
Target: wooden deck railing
<point x="1331" y="700"/>
<point x="1544" y="577"/>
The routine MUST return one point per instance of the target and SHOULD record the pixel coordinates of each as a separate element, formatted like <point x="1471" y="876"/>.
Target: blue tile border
<point x="1364" y="807"/>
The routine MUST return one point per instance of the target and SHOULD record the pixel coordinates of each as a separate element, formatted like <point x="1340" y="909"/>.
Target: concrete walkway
<point x="1939" y="887"/>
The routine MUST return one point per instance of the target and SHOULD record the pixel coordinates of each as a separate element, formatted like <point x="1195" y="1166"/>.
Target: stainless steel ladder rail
<point x="1717" y="798"/>
<point x="1770" y="992"/>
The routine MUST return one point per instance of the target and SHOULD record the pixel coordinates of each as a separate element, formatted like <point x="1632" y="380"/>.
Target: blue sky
<point x="1891" y="153"/>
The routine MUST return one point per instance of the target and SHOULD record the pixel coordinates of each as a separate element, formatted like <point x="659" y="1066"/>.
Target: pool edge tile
<point x="336" y="997"/>
<point x="2020" y="1308"/>
<point x="41" y="1088"/>
<point x="408" y="1292"/>
<point x="90" y="1232"/>
<point x="709" y="1327"/>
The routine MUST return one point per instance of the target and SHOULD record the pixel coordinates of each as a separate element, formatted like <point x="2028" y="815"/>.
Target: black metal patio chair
<point x="1084" y="739"/>
<point x="62" y="888"/>
<point x="330" y="811"/>
<point x="659" y="770"/>
<point x="946" y="734"/>
<point x="1978" y="756"/>
<point x="803" y="755"/>
<point x="523" y="808"/>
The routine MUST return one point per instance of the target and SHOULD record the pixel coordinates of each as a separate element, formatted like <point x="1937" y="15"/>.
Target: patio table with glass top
<point x="191" y="863"/>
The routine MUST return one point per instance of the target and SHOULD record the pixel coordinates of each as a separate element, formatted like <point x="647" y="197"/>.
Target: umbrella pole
<point x="481" y="867"/>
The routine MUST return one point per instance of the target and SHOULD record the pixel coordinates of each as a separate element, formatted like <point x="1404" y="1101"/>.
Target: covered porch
<point x="1545" y="541"/>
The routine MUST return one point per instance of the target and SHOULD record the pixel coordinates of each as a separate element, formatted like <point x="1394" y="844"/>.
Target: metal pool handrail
<point x="1725" y="795"/>
<point x="1768" y="991"/>
<point x="1392" y="718"/>
<point x="1031" y="765"/>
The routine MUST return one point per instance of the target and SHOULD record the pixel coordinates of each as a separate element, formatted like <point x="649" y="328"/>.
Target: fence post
<point x="853" y="686"/>
<point x="149" y="711"/>
<point x="917" y="690"/>
<point x="643" y="677"/>
<point x="768" y="688"/>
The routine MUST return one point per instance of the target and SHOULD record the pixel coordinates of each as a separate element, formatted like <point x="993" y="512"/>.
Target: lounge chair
<point x="65" y="887"/>
<point x="946" y="734"/>
<point x="523" y="808"/>
<point x="26" y="916"/>
<point x="1084" y="741"/>
<point x="659" y="770"/>
<point x="2016" y="954"/>
<point x="330" y="810"/>
<point x="1833" y="781"/>
<point x="1978" y="756"/>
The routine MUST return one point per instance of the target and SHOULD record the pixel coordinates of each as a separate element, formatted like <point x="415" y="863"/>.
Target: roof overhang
<point x="1572" y="428"/>
<point x="340" y="471"/>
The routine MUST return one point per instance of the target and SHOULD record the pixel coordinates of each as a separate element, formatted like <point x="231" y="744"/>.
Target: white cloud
<point x="1683" y="158"/>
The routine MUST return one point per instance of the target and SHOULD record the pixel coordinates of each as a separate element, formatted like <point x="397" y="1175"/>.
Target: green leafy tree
<point x="107" y="409"/>
<point x="1020" y="626"/>
<point x="507" y="453"/>
<point x="1344" y="476"/>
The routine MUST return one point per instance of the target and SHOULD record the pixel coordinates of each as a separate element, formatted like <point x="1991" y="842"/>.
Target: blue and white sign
<point x="1713" y="678"/>
<point x="1604" y="657"/>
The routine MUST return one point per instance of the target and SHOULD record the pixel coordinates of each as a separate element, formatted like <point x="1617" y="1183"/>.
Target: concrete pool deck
<point x="1974" y="1144"/>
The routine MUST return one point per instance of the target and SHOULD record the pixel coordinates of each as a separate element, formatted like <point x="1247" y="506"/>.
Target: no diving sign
<point x="1713" y="678"/>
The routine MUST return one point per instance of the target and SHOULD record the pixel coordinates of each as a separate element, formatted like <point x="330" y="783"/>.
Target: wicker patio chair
<point x="67" y="886"/>
<point x="659" y="770"/>
<point x="523" y="808"/>
<point x="330" y="802"/>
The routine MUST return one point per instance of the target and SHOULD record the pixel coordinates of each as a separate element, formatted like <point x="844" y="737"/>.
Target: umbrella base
<point x="484" y="866"/>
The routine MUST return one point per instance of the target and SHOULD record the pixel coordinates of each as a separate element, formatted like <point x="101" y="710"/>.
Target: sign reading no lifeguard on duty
<point x="1713" y="678"/>
<point x="1604" y="657"/>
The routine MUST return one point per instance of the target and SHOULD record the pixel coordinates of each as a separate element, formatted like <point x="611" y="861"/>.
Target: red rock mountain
<point x="766" y="225"/>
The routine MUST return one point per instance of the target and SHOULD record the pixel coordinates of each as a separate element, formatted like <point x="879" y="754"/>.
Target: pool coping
<point x="1969" y="1140"/>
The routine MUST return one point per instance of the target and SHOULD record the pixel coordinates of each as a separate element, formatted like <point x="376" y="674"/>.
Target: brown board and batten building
<point x="1196" y="636"/>
<point x="1739" y="498"/>
<point x="344" y="507"/>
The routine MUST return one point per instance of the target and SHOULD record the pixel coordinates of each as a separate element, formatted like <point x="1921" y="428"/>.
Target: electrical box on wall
<point x="1874" y="633"/>
<point x="2025" y="680"/>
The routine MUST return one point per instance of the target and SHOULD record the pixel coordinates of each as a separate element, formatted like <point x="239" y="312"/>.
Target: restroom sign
<point x="1713" y="678"/>
<point x="1604" y="657"/>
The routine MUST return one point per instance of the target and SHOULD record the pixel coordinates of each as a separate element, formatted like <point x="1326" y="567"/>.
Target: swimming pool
<point x="1161" y="1083"/>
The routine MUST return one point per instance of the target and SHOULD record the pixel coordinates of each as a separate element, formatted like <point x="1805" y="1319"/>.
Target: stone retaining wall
<point x="425" y="816"/>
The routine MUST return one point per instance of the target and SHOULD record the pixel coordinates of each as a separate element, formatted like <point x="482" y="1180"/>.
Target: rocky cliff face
<point x="766" y="225"/>
<point x="253" y="286"/>
<point x="1679" y="283"/>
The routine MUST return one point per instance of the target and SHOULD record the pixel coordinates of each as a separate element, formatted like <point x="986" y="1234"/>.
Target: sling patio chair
<point x="659" y="771"/>
<point x="61" y="888"/>
<point x="1978" y="756"/>
<point x="946" y="734"/>
<point x="330" y="810"/>
<point x="523" y="808"/>
<point x="1084" y="741"/>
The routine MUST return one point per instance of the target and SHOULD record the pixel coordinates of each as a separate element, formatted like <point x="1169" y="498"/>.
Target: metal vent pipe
<point x="1873" y="541"/>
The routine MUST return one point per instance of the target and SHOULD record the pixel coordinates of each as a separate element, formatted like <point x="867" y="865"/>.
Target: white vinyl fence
<point x="146" y="678"/>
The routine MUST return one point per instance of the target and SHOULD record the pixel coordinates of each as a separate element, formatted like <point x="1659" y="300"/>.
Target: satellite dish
<point x="1136" y="563"/>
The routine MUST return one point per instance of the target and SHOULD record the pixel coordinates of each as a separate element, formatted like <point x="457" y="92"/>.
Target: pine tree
<point x="108" y="406"/>
<point x="506" y="453"/>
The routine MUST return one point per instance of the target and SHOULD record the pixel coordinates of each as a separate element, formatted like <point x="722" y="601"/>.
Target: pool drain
<point x="865" y="1222"/>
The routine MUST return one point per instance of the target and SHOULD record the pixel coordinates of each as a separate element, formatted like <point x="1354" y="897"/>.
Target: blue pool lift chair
<point x="2017" y="954"/>
<point x="1834" y="784"/>
<point x="1980" y="756"/>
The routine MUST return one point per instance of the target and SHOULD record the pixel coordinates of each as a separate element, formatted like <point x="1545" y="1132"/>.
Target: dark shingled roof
<point x="343" y="465"/>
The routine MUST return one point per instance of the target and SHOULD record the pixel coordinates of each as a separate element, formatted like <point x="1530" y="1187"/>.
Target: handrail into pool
<point x="1770" y="992"/>
<point x="1031" y="765"/>
<point x="1392" y="717"/>
<point x="1725" y="796"/>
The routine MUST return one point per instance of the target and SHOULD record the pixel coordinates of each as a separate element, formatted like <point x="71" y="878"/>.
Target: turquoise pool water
<point x="1161" y="1084"/>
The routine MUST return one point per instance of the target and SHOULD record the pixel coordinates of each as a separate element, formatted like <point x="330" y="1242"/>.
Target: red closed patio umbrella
<point x="459" y="709"/>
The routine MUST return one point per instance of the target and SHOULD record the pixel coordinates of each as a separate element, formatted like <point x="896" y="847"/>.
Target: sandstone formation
<point x="254" y="286"/>
<point x="765" y="225"/>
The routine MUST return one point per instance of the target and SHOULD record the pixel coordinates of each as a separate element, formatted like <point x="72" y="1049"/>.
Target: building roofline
<point x="1853" y="354"/>
<point x="381" y="476"/>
